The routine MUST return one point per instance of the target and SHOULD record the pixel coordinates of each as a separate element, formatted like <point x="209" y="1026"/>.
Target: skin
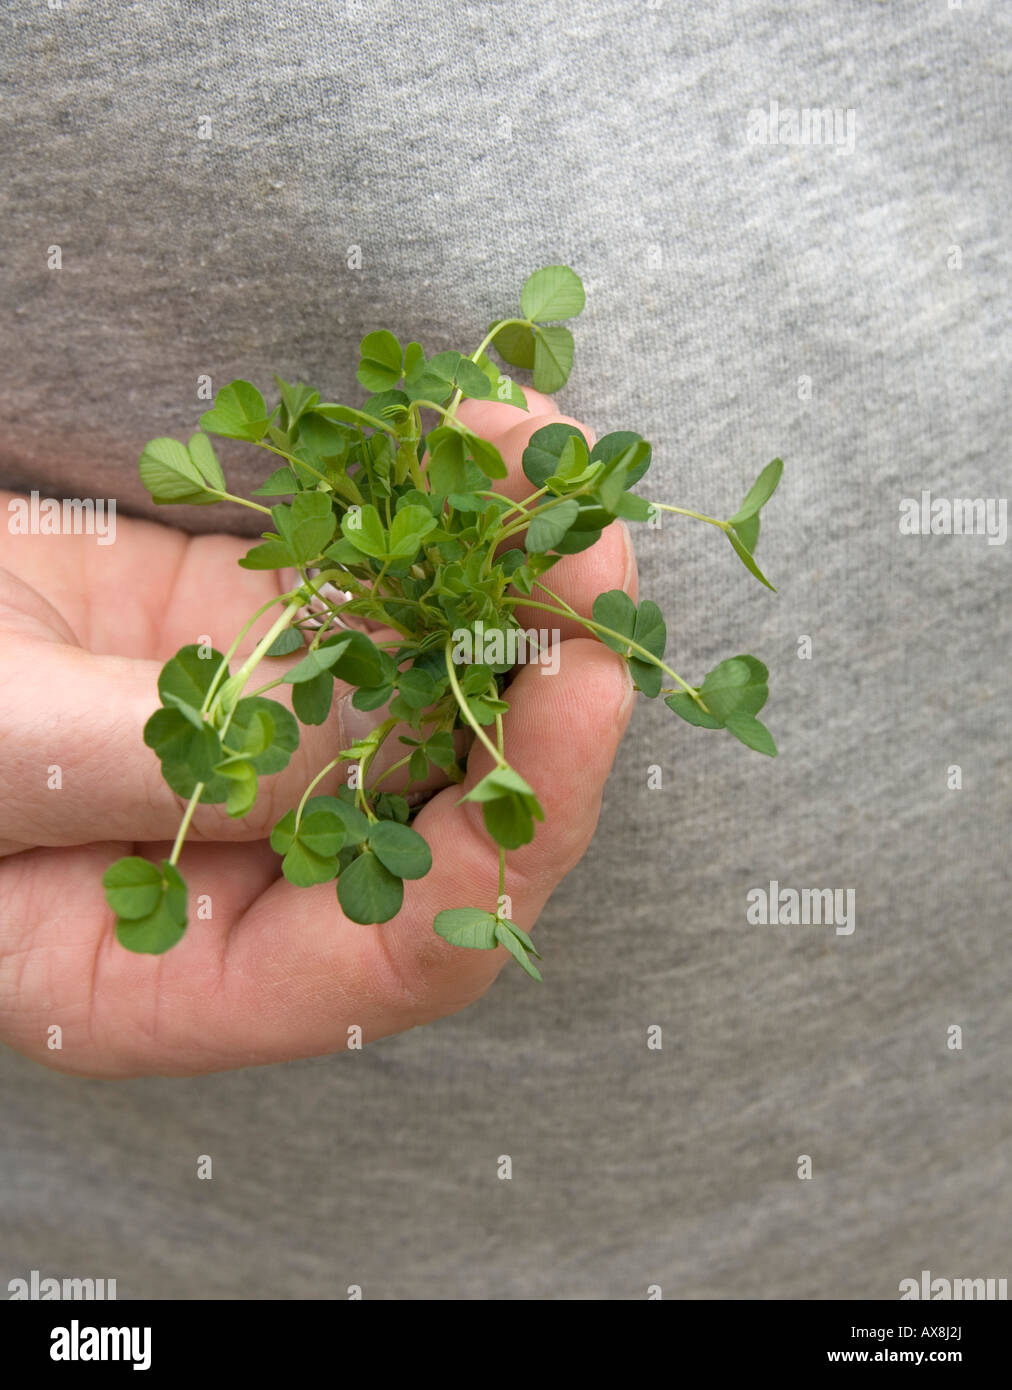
<point x="277" y="973"/>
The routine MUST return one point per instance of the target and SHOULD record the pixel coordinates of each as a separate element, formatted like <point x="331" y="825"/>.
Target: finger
<point x="609" y="563"/>
<point x="305" y="975"/>
<point x="491" y="419"/>
<point x="511" y="435"/>
<point x="74" y="766"/>
<point x="577" y="579"/>
<point x="561" y="735"/>
<point x="276" y="972"/>
<point x="75" y="779"/>
<point x="148" y="594"/>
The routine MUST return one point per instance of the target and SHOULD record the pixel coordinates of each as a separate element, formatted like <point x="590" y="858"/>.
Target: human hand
<point x="274" y="973"/>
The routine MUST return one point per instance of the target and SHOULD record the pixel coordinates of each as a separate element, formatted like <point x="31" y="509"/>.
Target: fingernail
<point x="629" y="698"/>
<point x="630" y="554"/>
<point x="357" y="723"/>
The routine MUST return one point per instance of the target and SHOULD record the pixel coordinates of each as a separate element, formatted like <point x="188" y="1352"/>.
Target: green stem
<point x="432" y="405"/>
<point x="412" y="440"/>
<point x="401" y="762"/>
<point x="626" y="641"/>
<point x="290" y="459"/>
<point x="223" y="667"/>
<point x="262" y="689"/>
<point x="465" y="709"/>
<point x="184" y="824"/>
<point x="379" y="613"/>
<point x="259" y="651"/>
<point x="378" y="735"/>
<point x="517" y="506"/>
<point x="501" y="740"/>
<point x="345" y="578"/>
<point x="279" y="626"/>
<point x="683" y="511"/>
<point x="316" y="780"/>
<point x="283" y="621"/>
<point x="243" y="501"/>
<point x="506" y="323"/>
<point x="371" y="421"/>
<point x="515" y="527"/>
<point x="524" y="506"/>
<point x="571" y="611"/>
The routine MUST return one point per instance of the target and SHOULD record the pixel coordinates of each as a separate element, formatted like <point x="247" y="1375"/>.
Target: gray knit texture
<point x="460" y="147"/>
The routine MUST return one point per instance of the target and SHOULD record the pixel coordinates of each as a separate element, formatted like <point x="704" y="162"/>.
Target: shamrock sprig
<point x="388" y="513"/>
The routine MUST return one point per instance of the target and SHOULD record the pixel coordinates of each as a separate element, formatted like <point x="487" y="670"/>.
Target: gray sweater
<point x="760" y="282"/>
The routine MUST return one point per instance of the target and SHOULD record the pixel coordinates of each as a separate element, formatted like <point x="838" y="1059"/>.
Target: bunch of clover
<point x="399" y="526"/>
